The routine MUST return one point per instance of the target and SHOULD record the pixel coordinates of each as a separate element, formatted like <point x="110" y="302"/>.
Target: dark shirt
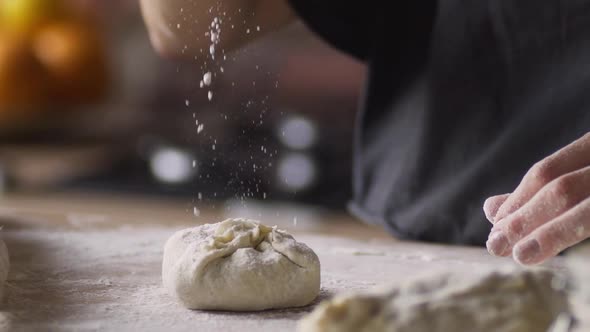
<point x="462" y="98"/>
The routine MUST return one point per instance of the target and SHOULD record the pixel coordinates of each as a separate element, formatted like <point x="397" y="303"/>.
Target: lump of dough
<point x="579" y="286"/>
<point x="577" y="264"/>
<point x="516" y="301"/>
<point x="239" y="265"/>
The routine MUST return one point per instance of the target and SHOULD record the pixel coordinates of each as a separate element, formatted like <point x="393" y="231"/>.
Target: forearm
<point x="177" y="27"/>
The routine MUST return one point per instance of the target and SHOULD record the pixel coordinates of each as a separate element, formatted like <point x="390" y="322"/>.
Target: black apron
<point x="462" y="98"/>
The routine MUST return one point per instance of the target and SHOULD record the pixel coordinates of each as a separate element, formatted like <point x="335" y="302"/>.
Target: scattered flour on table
<point x="357" y="252"/>
<point x="4" y="267"/>
<point x="107" y="280"/>
<point x="84" y="220"/>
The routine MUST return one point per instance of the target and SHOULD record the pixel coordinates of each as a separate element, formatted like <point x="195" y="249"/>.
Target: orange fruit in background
<point x="50" y="58"/>
<point x="72" y="53"/>
<point x="23" y="80"/>
<point x="25" y="16"/>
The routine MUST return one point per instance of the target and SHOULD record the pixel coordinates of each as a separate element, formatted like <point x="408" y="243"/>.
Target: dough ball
<point x="239" y="265"/>
<point x="577" y="264"/>
<point x="4" y="267"/>
<point x="579" y="285"/>
<point x="517" y="301"/>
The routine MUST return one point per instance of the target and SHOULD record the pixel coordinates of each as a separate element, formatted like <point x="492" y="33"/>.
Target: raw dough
<point x="517" y="301"/>
<point x="579" y="285"/>
<point x="4" y="267"/>
<point x="577" y="264"/>
<point x="239" y="265"/>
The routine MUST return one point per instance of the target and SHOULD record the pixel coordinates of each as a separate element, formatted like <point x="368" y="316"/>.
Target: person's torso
<point x="462" y="98"/>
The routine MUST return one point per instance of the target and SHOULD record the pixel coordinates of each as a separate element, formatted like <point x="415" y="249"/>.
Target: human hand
<point x="177" y="27"/>
<point x="548" y="212"/>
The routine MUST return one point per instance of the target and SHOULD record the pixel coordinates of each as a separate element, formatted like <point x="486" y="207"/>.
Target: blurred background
<point x="87" y="106"/>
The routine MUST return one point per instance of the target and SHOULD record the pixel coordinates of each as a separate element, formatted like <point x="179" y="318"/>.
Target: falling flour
<point x="207" y="79"/>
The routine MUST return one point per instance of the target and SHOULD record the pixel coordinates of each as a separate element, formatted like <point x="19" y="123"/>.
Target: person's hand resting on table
<point x="548" y="212"/>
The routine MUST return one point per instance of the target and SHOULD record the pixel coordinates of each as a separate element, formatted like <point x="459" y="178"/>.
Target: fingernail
<point x="497" y="244"/>
<point x="527" y="252"/>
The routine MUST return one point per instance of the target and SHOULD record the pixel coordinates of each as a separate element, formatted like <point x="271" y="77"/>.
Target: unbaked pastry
<point x="577" y="264"/>
<point x="239" y="265"/>
<point x="517" y="301"/>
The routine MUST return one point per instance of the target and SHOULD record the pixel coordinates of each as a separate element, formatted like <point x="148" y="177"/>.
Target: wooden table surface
<point x="93" y="263"/>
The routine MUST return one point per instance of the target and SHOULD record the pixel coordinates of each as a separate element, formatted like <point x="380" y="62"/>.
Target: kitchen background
<point x="87" y="106"/>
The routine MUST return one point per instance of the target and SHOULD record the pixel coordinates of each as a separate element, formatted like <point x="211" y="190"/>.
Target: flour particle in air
<point x="207" y="79"/>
